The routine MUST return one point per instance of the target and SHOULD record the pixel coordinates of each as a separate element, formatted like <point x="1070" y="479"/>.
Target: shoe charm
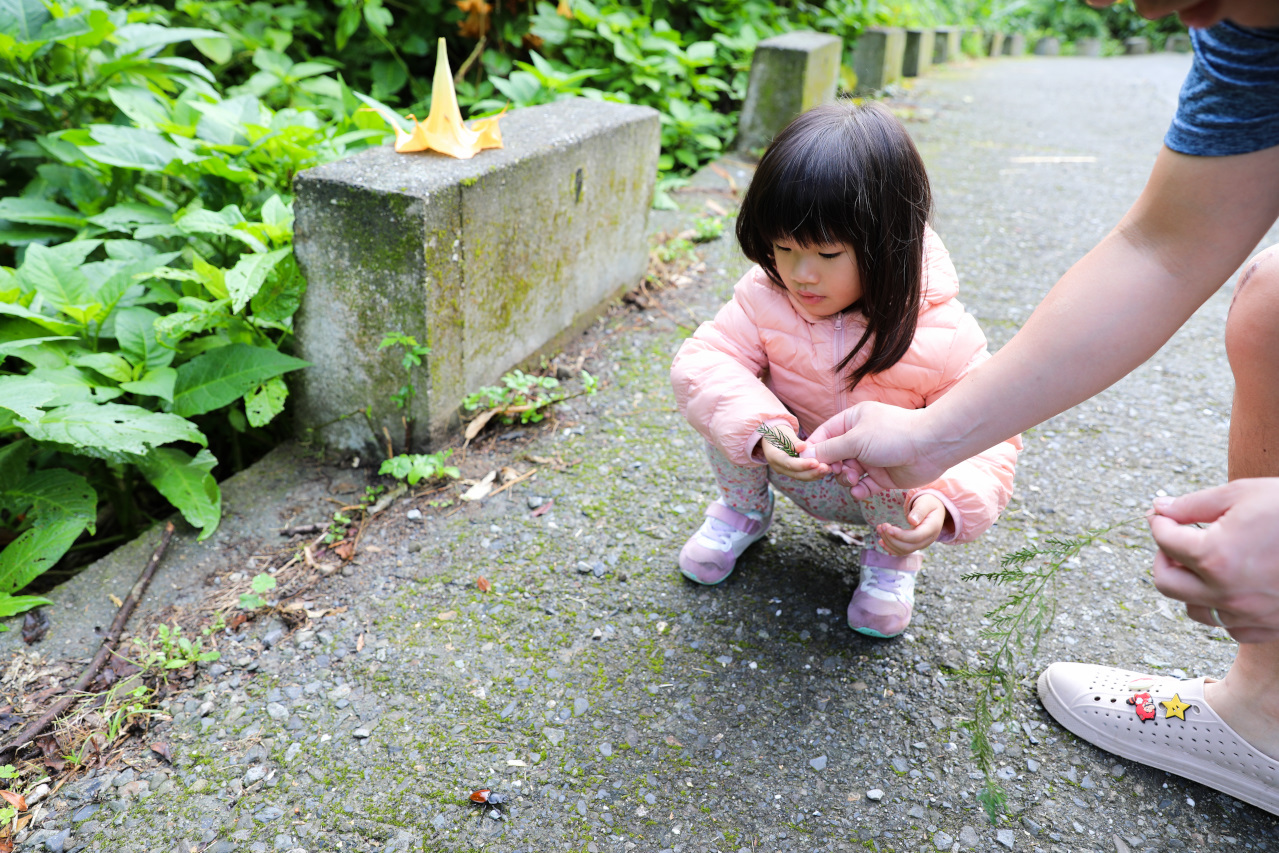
<point x="1175" y="707"/>
<point x="1145" y="706"/>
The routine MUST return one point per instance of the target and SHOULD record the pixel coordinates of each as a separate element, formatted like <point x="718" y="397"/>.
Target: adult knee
<point x="1252" y="328"/>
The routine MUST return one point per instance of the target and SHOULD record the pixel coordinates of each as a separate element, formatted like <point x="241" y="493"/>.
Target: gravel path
<point x="627" y="710"/>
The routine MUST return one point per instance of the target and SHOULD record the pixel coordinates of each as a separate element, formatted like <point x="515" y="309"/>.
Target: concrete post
<point x="1178" y="43"/>
<point x="486" y="261"/>
<point x="918" y="56"/>
<point x="1136" y="45"/>
<point x="1088" y="47"/>
<point x="995" y="44"/>
<point x="790" y="74"/>
<point x="877" y="58"/>
<point x="1048" y="46"/>
<point x="1015" y="45"/>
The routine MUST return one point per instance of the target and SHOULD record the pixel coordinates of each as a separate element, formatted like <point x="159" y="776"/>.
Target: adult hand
<point x="1231" y="564"/>
<point x="791" y="466"/>
<point x="880" y="441"/>
<point x="928" y="517"/>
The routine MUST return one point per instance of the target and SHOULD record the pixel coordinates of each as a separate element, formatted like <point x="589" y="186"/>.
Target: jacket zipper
<point x="839" y="354"/>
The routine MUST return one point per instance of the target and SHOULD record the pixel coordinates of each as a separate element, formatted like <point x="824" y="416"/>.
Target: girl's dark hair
<point x="849" y="174"/>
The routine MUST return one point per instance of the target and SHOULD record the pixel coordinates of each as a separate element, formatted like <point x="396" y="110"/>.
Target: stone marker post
<point x="877" y="58"/>
<point x="918" y="55"/>
<point x="1088" y="46"/>
<point x="1048" y="46"/>
<point x="946" y="41"/>
<point x="790" y="74"/>
<point x="1178" y="43"/>
<point x="1015" y="45"/>
<point x="995" y="44"/>
<point x="487" y="261"/>
<point x="1136" y="46"/>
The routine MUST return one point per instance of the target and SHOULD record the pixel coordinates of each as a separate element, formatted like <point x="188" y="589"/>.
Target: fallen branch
<point x="109" y="643"/>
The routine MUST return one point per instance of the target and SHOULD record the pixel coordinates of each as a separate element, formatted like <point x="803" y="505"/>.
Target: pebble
<point x="900" y="764"/>
<point x="555" y="736"/>
<point x="580" y="706"/>
<point x="967" y="836"/>
<point x="57" y="842"/>
<point x="917" y="812"/>
<point x="942" y="841"/>
<point x="1117" y="771"/>
<point x="583" y="567"/>
<point x="1032" y="765"/>
<point x="875" y="794"/>
<point x="269" y="813"/>
<point x="276" y="711"/>
<point x="255" y="773"/>
<point x="292" y="752"/>
<point x="606" y="749"/>
<point x="361" y="733"/>
<point x="1031" y="826"/>
<point x="413" y="515"/>
<point x="1005" y="837"/>
<point x="818" y="763"/>
<point x="123" y="778"/>
<point x="272" y="637"/>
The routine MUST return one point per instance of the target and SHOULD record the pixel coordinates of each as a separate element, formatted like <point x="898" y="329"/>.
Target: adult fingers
<point x="1182" y="543"/>
<point x="1176" y="581"/>
<point x="1203" y="505"/>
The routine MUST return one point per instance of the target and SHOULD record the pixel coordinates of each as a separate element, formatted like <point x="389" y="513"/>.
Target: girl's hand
<point x="928" y="515"/>
<point x="792" y="466"/>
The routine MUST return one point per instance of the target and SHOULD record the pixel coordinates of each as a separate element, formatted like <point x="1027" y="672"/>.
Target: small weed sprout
<point x="262" y="583"/>
<point x="337" y="527"/>
<point x="676" y="249"/>
<point x="1017" y="624"/>
<point x="7" y="812"/>
<point x="708" y="228"/>
<point x="403" y="398"/>
<point x="413" y="468"/>
<point x="524" y="396"/>
<point x="174" y="651"/>
<point x="778" y="439"/>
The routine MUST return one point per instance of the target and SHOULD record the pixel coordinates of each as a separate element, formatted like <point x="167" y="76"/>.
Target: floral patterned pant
<point x="745" y="489"/>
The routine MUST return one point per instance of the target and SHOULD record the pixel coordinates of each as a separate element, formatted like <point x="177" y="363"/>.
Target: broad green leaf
<point x="12" y="605"/>
<point x="25" y="395"/>
<point x="266" y="401"/>
<point x="188" y="65"/>
<point x="218" y="50"/>
<point x="19" y="346"/>
<point x="112" y="428"/>
<point x="157" y="383"/>
<point x="132" y="38"/>
<point x="221" y="376"/>
<point x="135" y="332"/>
<point x="22" y="19"/>
<point x="74" y="386"/>
<point x="34" y="211"/>
<point x="58" y="280"/>
<point x="123" y="216"/>
<point x="54" y="494"/>
<point x="62" y="327"/>
<point x="280" y="297"/>
<point x="133" y="148"/>
<point x="140" y="104"/>
<point x="245" y="279"/>
<point x="109" y="364"/>
<point x="187" y="483"/>
<point x="35" y="552"/>
<point x="388" y="115"/>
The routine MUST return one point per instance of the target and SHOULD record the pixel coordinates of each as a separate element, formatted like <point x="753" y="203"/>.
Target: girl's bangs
<point x="811" y="203"/>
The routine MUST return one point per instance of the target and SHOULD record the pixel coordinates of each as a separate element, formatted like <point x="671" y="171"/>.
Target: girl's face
<point x="821" y="278"/>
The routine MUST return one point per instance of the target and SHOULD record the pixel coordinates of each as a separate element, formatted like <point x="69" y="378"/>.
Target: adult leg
<point x="1248" y="697"/>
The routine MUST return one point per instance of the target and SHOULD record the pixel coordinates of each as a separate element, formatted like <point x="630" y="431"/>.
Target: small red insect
<point x="1144" y="704"/>
<point x="485" y="797"/>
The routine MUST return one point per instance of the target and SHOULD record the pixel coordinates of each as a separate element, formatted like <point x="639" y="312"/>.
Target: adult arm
<point x="1193" y="225"/>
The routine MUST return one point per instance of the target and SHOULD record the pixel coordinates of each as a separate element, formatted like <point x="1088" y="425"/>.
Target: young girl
<point x="852" y="298"/>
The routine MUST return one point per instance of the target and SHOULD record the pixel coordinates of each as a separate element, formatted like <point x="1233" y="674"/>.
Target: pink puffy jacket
<point x="765" y="360"/>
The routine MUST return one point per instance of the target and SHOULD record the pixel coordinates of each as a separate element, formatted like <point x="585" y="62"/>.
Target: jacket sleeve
<point x="717" y="376"/>
<point x="976" y="490"/>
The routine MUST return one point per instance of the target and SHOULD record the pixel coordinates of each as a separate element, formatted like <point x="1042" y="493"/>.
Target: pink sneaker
<point x="882" y="604"/>
<point x="711" y="555"/>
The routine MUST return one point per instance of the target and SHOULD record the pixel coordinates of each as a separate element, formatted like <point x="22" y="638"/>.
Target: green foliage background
<point x="147" y="150"/>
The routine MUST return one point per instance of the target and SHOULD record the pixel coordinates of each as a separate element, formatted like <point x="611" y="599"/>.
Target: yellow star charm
<point x="1175" y="707"/>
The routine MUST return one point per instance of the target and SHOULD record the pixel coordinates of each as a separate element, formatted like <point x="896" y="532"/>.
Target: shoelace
<point x="719" y="532"/>
<point x="885" y="580"/>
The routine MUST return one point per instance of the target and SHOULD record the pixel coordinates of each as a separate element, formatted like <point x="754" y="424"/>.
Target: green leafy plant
<point x="172" y="650"/>
<point x="413" y="468"/>
<point x="262" y="584"/>
<point x="403" y="398"/>
<point x="1032" y="576"/>
<point x="524" y="397"/>
<point x="337" y="527"/>
<point x="707" y="228"/>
